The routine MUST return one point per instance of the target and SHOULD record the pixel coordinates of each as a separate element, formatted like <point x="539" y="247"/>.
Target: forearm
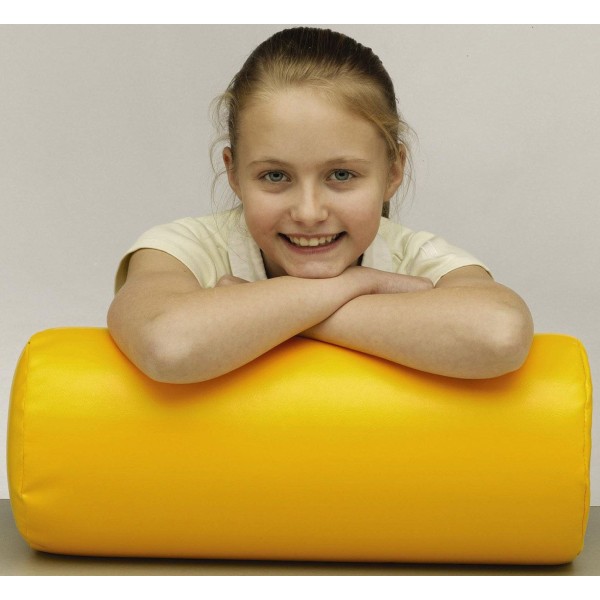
<point x="205" y="333"/>
<point x="467" y="332"/>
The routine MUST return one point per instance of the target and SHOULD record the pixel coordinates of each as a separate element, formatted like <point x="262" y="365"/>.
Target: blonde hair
<point x="335" y="64"/>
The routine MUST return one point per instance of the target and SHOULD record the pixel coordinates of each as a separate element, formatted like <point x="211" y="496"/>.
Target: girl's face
<point x="312" y="178"/>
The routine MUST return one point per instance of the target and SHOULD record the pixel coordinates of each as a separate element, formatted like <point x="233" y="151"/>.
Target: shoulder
<point x="200" y="243"/>
<point x="404" y="243"/>
<point x="400" y="238"/>
<point x="213" y="229"/>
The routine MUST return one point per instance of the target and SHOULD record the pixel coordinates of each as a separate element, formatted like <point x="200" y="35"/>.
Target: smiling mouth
<point x="311" y="242"/>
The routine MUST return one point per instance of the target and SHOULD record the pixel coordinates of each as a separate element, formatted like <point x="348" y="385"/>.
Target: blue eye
<point x="342" y="175"/>
<point x="275" y="176"/>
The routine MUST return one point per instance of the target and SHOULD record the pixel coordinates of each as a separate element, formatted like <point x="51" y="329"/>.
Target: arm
<point x="176" y="331"/>
<point x="467" y="326"/>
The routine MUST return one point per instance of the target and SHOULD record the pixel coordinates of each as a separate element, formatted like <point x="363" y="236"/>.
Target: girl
<point x="316" y="150"/>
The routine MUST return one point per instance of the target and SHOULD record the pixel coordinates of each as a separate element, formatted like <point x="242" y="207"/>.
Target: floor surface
<point x="17" y="558"/>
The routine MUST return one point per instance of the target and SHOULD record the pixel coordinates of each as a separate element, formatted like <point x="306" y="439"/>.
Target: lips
<point x="312" y="241"/>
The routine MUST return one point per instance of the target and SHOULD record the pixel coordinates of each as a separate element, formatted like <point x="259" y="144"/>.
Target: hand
<point x="371" y="281"/>
<point x="382" y="282"/>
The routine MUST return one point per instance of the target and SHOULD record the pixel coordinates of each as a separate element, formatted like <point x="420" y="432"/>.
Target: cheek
<point x="365" y="213"/>
<point x="260" y="218"/>
<point x="365" y="223"/>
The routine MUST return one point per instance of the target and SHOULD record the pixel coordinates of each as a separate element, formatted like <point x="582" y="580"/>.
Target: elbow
<point x="511" y="340"/>
<point x="168" y="359"/>
<point x="159" y="348"/>
<point x="161" y="365"/>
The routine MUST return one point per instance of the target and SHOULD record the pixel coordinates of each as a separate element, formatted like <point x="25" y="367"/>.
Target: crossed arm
<point x="176" y="331"/>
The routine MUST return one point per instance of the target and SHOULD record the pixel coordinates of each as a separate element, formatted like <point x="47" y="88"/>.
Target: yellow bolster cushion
<point x="311" y="452"/>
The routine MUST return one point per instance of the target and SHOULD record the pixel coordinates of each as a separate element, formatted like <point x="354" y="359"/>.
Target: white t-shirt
<point x="220" y="244"/>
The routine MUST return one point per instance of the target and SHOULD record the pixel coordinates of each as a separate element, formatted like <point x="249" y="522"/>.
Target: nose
<point x="309" y="206"/>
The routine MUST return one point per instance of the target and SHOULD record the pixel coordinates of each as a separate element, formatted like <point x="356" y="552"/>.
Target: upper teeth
<point x="302" y="241"/>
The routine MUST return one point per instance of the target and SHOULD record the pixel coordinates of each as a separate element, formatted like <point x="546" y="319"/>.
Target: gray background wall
<point x="104" y="132"/>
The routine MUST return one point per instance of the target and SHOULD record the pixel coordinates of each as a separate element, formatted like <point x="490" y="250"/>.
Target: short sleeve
<point x="431" y="256"/>
<point x="199" y="249"/>
<point x="418" y="253"/>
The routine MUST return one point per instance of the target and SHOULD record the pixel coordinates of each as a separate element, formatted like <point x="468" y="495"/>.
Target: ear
<point x="231" y="174"/>
<point x="396" y="175"/>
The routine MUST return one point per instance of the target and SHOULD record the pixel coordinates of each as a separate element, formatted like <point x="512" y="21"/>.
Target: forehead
<point x="301" y="124"/>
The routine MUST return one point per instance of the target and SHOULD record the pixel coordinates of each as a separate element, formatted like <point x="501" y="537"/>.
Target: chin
<point x="316" y="271"/>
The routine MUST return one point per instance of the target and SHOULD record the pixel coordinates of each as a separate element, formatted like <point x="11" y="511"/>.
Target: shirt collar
<point x="247" y="263"/>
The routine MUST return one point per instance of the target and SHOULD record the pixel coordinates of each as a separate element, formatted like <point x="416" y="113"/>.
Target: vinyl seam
<point x="23" y="413"/>
<point x="587" y="401"/>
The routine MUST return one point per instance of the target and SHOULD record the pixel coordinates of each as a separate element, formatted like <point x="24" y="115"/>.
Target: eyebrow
<point x="333" y="161"/>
